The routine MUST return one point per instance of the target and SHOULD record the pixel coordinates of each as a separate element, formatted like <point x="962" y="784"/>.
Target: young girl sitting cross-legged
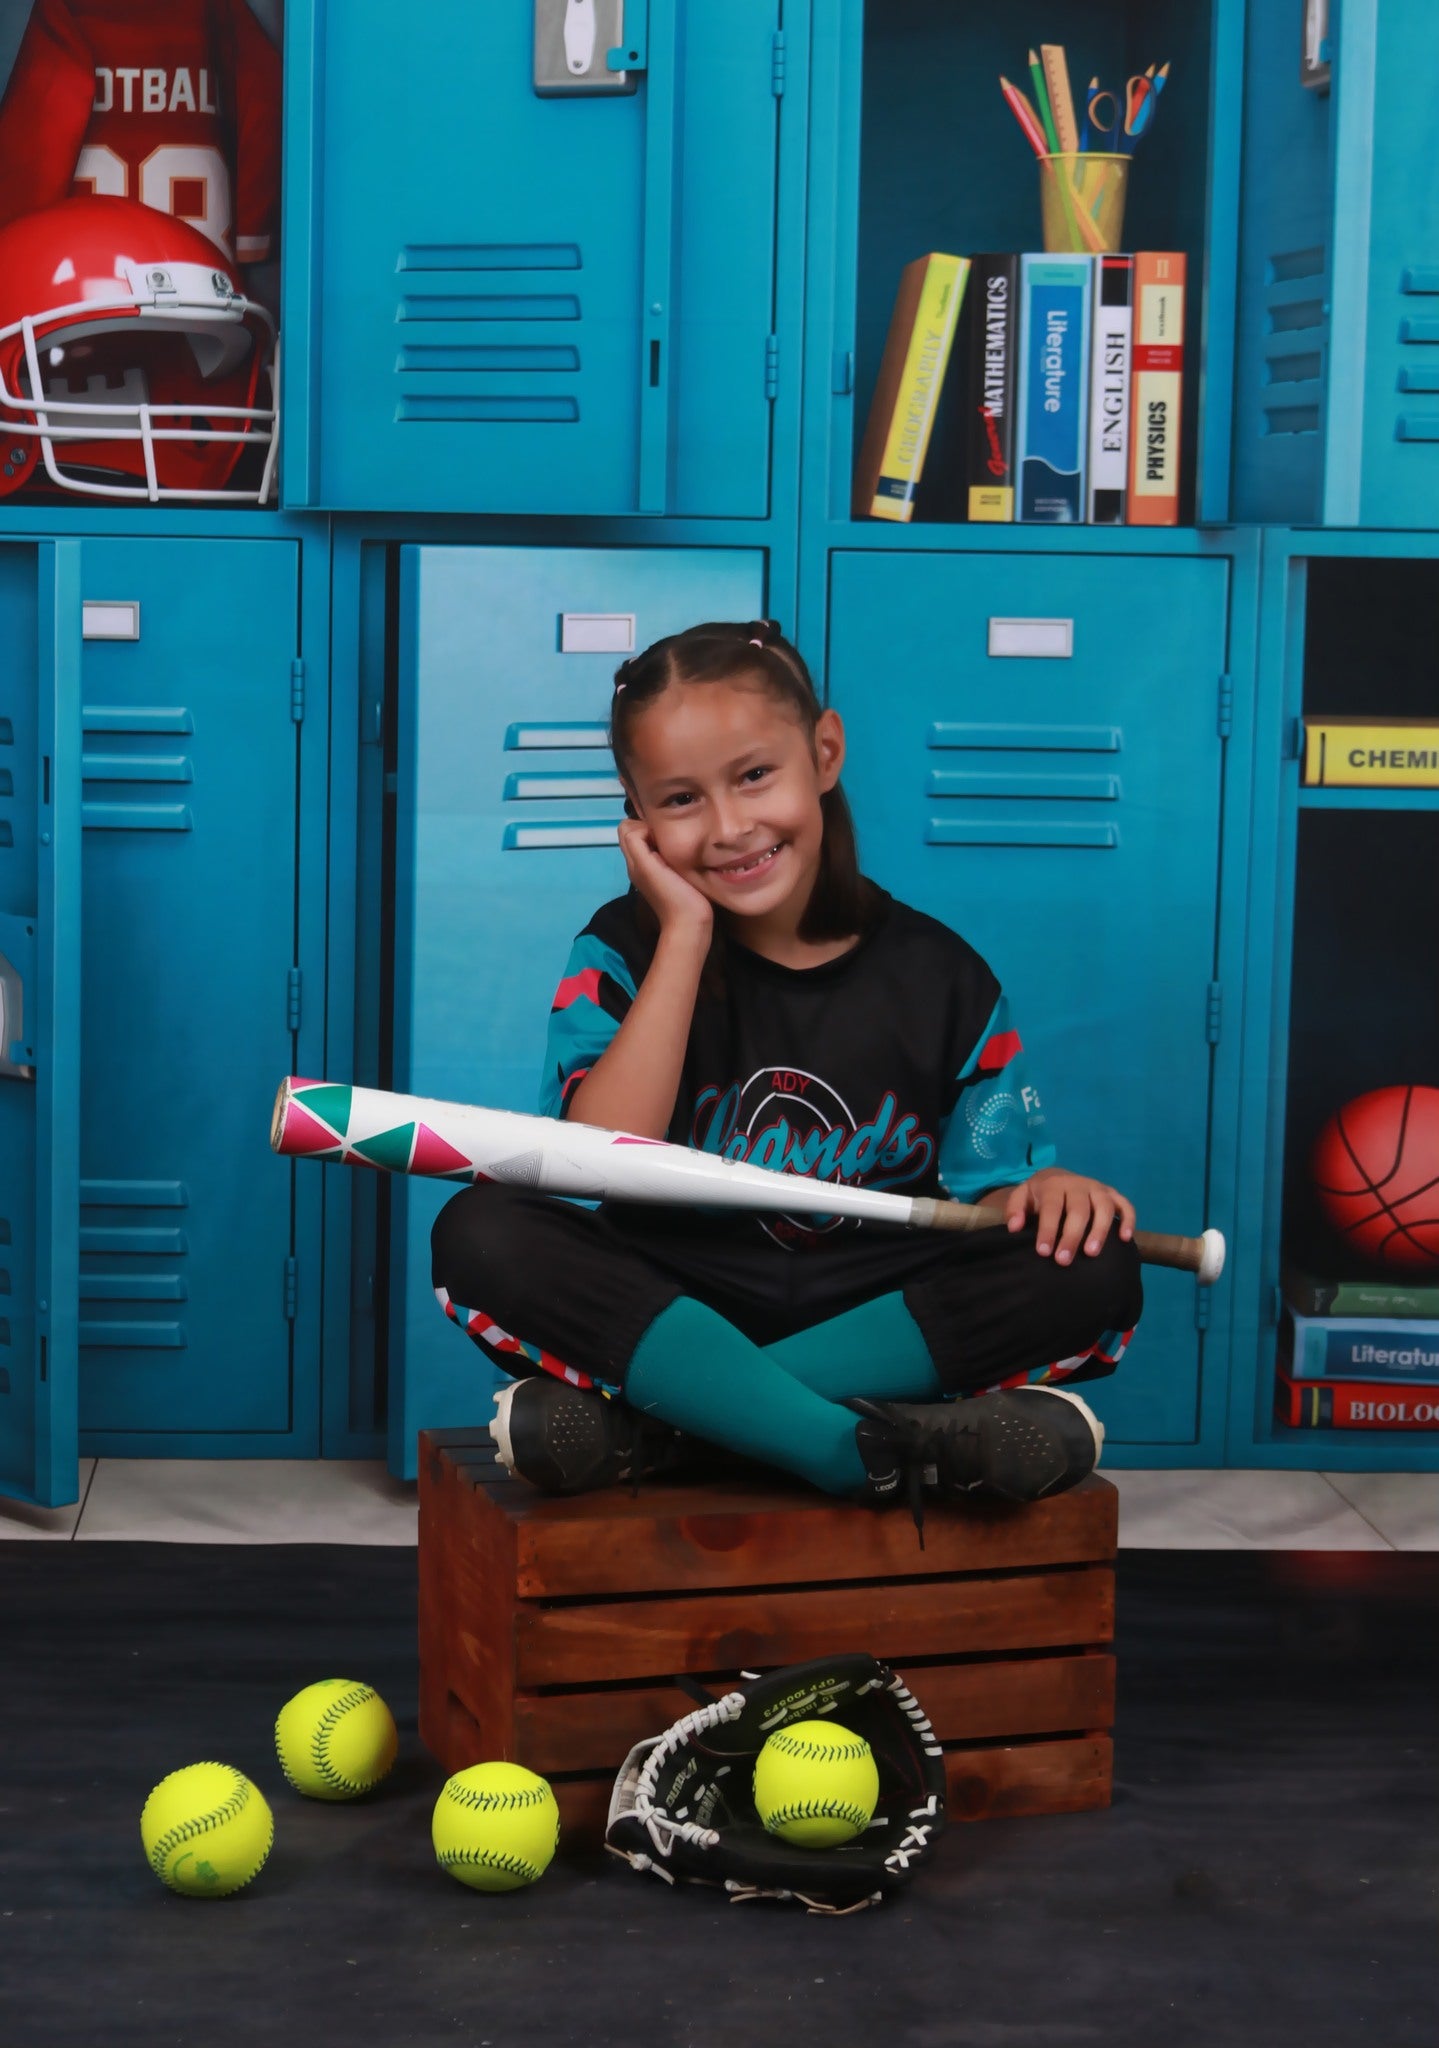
<point x="756" y="997"/>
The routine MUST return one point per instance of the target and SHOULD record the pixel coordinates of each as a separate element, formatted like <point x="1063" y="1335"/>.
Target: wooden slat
<point x="729" y="1631"/>
<point x="583" y="1731"/>
<point x="467" y="1615"/>
<point x="1029" y="1777"/>
<point x="1069" y="1776"/>
<point x="751" y="1533"/>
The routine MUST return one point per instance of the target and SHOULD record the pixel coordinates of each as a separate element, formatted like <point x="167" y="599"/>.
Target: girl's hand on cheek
<point x="675" y="902"/>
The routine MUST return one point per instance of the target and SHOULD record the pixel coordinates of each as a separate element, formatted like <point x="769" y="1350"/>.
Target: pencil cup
<point x="1081" y="197"/>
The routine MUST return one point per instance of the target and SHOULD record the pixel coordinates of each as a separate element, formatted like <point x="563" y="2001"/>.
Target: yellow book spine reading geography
<point x="906" y="395"/>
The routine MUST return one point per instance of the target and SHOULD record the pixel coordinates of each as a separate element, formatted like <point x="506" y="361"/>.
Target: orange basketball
<point x="1375" y="1169"/>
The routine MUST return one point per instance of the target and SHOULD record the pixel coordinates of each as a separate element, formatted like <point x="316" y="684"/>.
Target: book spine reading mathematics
<point x="906" y="394"/>
<point x="1341" y="1404"/>
<point x="1355" y="1348"/>
<point x="1109" y="381"/>
<point x="1158" y="389"/>
<point x="992" y="335"/>
<point x="1052" y="409"/>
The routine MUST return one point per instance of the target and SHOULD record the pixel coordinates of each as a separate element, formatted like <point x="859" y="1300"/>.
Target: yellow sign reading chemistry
<point x="1357" y="753"/>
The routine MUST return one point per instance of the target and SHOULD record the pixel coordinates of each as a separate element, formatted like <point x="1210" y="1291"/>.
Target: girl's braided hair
<point x="843" y="901"/>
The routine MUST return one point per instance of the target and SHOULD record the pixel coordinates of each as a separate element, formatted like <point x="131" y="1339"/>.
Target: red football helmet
<point x="128" y="348"/>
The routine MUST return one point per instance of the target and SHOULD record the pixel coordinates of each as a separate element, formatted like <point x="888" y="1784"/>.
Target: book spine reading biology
<point x="1066" y="374"/>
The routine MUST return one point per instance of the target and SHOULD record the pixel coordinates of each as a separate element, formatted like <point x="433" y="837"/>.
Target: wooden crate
<point x="549" y="1629"/>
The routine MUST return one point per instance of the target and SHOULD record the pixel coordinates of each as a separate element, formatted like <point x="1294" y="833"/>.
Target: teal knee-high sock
<point x="699" y="1373"/>
<point x="875" y="1350"/>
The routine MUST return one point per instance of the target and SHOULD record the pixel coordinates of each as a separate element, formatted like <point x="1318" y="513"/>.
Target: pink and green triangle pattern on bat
<point x="328" y="1100"/>
<point x="437" y="1156"/>
<point x="387" y="1148"/>
<point x="303" y="1135"/>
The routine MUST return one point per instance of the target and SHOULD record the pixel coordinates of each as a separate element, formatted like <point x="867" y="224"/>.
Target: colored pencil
<point x="1023" y="112"/>
<point x="1041" y="98"/>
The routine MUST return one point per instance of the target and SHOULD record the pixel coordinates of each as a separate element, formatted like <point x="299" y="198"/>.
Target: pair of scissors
<point x="1102" y="116"/>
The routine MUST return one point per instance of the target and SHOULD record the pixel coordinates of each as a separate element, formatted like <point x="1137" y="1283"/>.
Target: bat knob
<point x="1211" y="1263"/>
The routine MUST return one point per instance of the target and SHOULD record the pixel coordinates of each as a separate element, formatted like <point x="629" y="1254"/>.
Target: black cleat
<point x="563" y="1439"/>
<point x="1023" y="1443"/>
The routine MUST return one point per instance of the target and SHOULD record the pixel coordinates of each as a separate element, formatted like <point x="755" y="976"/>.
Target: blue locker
<point x="39" y="1029"/>
<point x="506" y="843"/>
<point x="505" y="302"/>
<point x="1034" y="756"/>
<point x="1337" y="377"/>
<point x="190" y="996"/>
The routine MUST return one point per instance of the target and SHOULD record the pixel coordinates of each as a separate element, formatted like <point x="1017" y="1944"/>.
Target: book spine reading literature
<point x="1052" y="409"/>
<point x="1158" y="385"/>
<point x="989" y="397"/>
<point x="1339" y="1404"/>
<point x="1354" y="1348"/>
<point x="1109" y="389"/>
<point x="906" y="395"/>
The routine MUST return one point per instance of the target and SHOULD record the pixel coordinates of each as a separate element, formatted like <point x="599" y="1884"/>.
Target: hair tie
<point x="756" y="643"/>
<point x="618" y="688"/>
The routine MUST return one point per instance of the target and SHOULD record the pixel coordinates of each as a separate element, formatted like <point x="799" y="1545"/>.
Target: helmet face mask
<point x="155" y="374"/>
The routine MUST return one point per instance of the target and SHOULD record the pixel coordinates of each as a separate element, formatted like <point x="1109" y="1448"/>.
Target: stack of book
<point x="1357" y="1354"/>
<point x="1063" y="374"/>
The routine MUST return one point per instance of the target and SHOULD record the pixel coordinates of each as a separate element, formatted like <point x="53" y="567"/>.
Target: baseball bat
<point x="457" y="1141"/>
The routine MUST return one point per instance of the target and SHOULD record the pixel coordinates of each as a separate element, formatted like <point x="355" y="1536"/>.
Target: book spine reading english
<point x="1109" y="389"/>
<point x="1358" y="1348"/>
<point x="1157" y="389"/>
<point x="1309" y="1295"/>
<point x="1052" y="408"/>
<point x="1338" y="1404"/>
<point x="906" y="394"/>
<point x="992" y="333"/>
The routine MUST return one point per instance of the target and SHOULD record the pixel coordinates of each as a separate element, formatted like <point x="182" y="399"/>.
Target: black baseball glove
<point x="683" y="1804"/>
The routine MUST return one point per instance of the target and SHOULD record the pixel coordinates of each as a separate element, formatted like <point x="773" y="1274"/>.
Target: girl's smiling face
<point x="725" y="778"/>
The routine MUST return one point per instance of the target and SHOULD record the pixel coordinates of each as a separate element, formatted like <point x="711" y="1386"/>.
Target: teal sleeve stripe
<point x="995" y="1136"/>
<point x="580" y="1028"/>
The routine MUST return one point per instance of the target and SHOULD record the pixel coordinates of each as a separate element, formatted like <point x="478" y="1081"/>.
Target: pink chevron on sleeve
<point x="999" y="1051"/>
<point x="574" y="986"/>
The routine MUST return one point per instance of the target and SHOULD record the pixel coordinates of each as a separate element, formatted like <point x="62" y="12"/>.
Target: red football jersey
<point x="175" y="103"/>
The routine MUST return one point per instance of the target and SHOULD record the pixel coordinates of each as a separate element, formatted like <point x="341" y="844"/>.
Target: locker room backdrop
<point x="321" y="786"/>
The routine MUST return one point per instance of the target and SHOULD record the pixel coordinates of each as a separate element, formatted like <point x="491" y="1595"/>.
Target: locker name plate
<point x="1036" y="639"/>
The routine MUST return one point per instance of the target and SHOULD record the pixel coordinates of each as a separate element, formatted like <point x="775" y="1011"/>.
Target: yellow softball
<point x="335" y="1739"/>
<point x="815" y="1784"/>
<point x="495" y="1827"/>
<point x="207" y="1830"/>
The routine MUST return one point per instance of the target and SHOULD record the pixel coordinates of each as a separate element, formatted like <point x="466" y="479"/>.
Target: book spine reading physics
<point x="906" y="394"/>
<point x="1052" y="408"/>
<point x="1158" y="389"/>
<point x="1339" y="1404"/>
<point x="1109" y="389"/>
<point x="992" y="332"/>
<point x="1358" y="1348"/>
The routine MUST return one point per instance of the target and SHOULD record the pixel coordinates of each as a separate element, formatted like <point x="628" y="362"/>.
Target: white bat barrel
<point x="453" y="1140"/>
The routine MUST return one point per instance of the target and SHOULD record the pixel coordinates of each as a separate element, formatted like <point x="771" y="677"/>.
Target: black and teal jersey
<point x="897" y="1065"/>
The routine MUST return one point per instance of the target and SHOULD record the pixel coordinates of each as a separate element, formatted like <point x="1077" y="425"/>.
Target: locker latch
<point x="632" y="53"/>
<point x="17" y="966"/>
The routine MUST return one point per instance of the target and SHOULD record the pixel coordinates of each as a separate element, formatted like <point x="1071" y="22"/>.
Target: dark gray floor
<point x="1268" y="1872"/>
